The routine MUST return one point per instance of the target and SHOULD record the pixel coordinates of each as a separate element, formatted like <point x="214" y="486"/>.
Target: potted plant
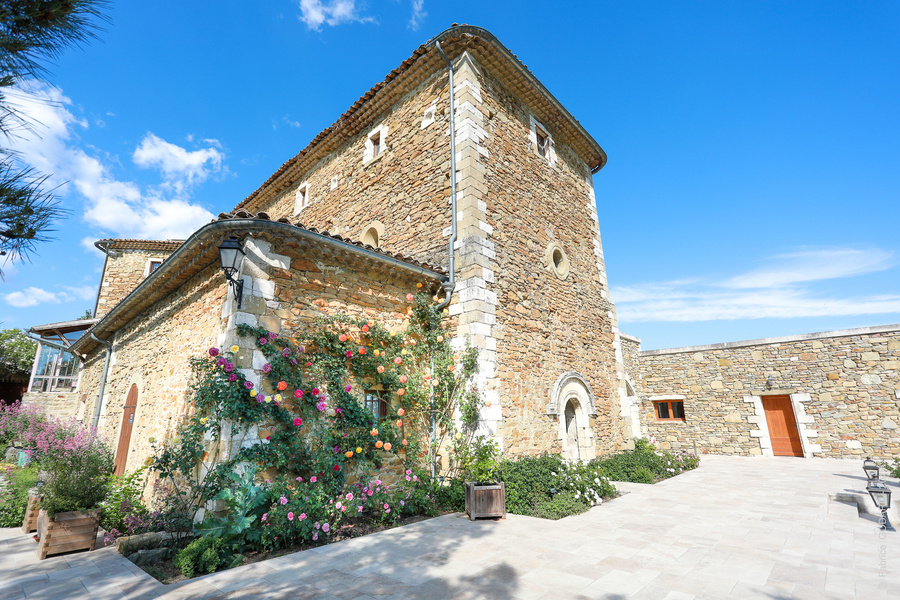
<point x="76" y="484"/>
<point x="486" y="494"/>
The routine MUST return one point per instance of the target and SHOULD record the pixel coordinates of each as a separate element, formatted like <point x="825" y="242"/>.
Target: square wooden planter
<point x="67" y="532"/>
<point x="485" y="500"/>
<point x="32" y="509"/>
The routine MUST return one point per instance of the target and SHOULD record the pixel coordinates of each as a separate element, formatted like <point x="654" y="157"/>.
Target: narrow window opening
<point x="301" y="199"/>
<point x="376" y="144"/>
<point x="154" y="265"/>
<point x="543" y="142"/>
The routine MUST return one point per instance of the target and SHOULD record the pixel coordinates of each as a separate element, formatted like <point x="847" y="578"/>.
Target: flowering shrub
<point x="305" y="425"/>
<point x="78" y="477"/>
<point x="41" y="435"/>
<point x="548" y="486"/>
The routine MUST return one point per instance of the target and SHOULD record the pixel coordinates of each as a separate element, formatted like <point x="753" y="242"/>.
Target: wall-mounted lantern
<point x="231" y="255"/>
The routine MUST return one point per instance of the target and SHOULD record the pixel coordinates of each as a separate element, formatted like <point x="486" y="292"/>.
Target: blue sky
<point x="752" y="186"/>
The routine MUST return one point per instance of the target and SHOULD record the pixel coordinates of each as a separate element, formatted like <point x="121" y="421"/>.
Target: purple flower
<point x="260" y="397"/>
<point x="283" y="500"/>
<point x="213" y="351"/>
<point x="315" y="537"/>
<point x="232" y="377"/>
<point x="263" y="341"/>
<point x="294" y="361"/>
<point x="228" y="367"/>
<point x="348" y="387"/>
<point x="320" y="406"/>
<point x="272" y="335"/>
<point x="221" y="361"/>
<point x="248" y="385"/>
<point x="267" y="368"/>
<point x="326" y="527"/>
<point x="286" y="352"/>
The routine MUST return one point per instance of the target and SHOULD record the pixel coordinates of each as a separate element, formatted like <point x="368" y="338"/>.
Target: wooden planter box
<point x="31" y="514"/>
<point x="485" y="500"/>
<point x="67" y="532"/>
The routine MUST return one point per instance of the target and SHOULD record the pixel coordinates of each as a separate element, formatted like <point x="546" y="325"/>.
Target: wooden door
<point x="782" y="426"/>
<point x="127" y="424"/>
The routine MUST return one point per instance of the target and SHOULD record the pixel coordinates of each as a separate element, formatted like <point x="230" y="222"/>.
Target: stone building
<point x="367" y="210"/>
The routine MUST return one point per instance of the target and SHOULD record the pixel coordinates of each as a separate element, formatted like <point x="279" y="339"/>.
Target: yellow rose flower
<point x="359" y="450"/>
<point x="234" y="349"/>
<point x="204" y="420"/>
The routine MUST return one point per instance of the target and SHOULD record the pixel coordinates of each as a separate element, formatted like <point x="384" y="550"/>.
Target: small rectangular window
<point x="377" y="404"/>
<point x="154" y="265"/>
<point x="301" y="199"/>
<point x="543" y="142"/>
<point x="376" y="144"/>
<point x="669" y="410"/>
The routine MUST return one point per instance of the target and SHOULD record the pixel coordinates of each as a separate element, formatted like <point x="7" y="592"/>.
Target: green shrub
<point x="123" y="500"/>
<point x="645" y="464"/>
<point x="14" y="498"/>
<point x="203" y="555"/>
<point x="451" y="496"/>
<point x="561" y="505"/>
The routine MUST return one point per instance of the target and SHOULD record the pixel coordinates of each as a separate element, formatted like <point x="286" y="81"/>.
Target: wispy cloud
<point x="418" y="14"/>
<point x="118" y="208"/>
<point x="781" y="290"/>
<point x="813" y="265"/>
<point x="285" y="120"/>
<point x="334" y="12"/>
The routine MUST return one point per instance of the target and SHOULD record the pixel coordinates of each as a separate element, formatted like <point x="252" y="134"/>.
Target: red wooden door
<point x="127" y="424"/>
<point x="782" y="426"/>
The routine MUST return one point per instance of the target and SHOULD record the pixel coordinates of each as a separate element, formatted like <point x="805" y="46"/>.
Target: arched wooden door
<point x="127" y="423"/>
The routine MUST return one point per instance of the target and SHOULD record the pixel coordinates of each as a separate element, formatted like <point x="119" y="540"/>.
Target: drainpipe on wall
<point x="450" y="284"/>
<point x="96" y="419"/>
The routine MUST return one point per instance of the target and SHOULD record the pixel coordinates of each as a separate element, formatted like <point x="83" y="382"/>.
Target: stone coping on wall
<point x="776" y="340"/>
<point x="630" y="338"/>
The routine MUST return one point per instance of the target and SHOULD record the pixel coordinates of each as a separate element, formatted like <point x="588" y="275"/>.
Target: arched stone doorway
<point x="573" y="403"/>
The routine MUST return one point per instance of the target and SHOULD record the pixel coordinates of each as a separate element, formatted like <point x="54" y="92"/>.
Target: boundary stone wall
<point x="844" y="386"/>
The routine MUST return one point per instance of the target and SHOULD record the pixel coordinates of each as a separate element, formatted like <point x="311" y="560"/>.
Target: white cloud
<point x="118" y="208"/>
<point x="285" y="120"/>
<point x="418" y="14"/>
<point x="781" y="291"/>
<point x="30" y="296"/>
<point x="333" y="12"/>
<point x="181" y="168"/>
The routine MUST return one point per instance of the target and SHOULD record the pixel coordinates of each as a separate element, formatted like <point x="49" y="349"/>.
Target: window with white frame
<point x="376" y="143"/>
<point x="301" y="198"/>
<point x="152" y="265"/>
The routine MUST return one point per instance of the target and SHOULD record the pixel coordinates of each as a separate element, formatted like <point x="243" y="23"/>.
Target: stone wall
<point x="403" y="192"/>
<point x="844" y="387"/>
<point x="121" y="274"/>
<point x="152" y="351"/>
<point x="64" y="405"/>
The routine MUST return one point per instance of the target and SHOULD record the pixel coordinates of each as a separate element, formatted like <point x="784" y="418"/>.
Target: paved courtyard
<point x="735" y="528"/>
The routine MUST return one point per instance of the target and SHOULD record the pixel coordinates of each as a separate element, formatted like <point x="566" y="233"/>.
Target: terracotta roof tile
<point x="261" y="216"/>
<point x="132" y="244"/>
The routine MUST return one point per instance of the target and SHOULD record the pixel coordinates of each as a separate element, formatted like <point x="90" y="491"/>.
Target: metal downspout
<point x="450" y="284"/>
<point x="96" y="419"/>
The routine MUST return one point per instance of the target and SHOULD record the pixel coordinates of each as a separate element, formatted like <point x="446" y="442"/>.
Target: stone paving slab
<point x="737" y="527"/>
